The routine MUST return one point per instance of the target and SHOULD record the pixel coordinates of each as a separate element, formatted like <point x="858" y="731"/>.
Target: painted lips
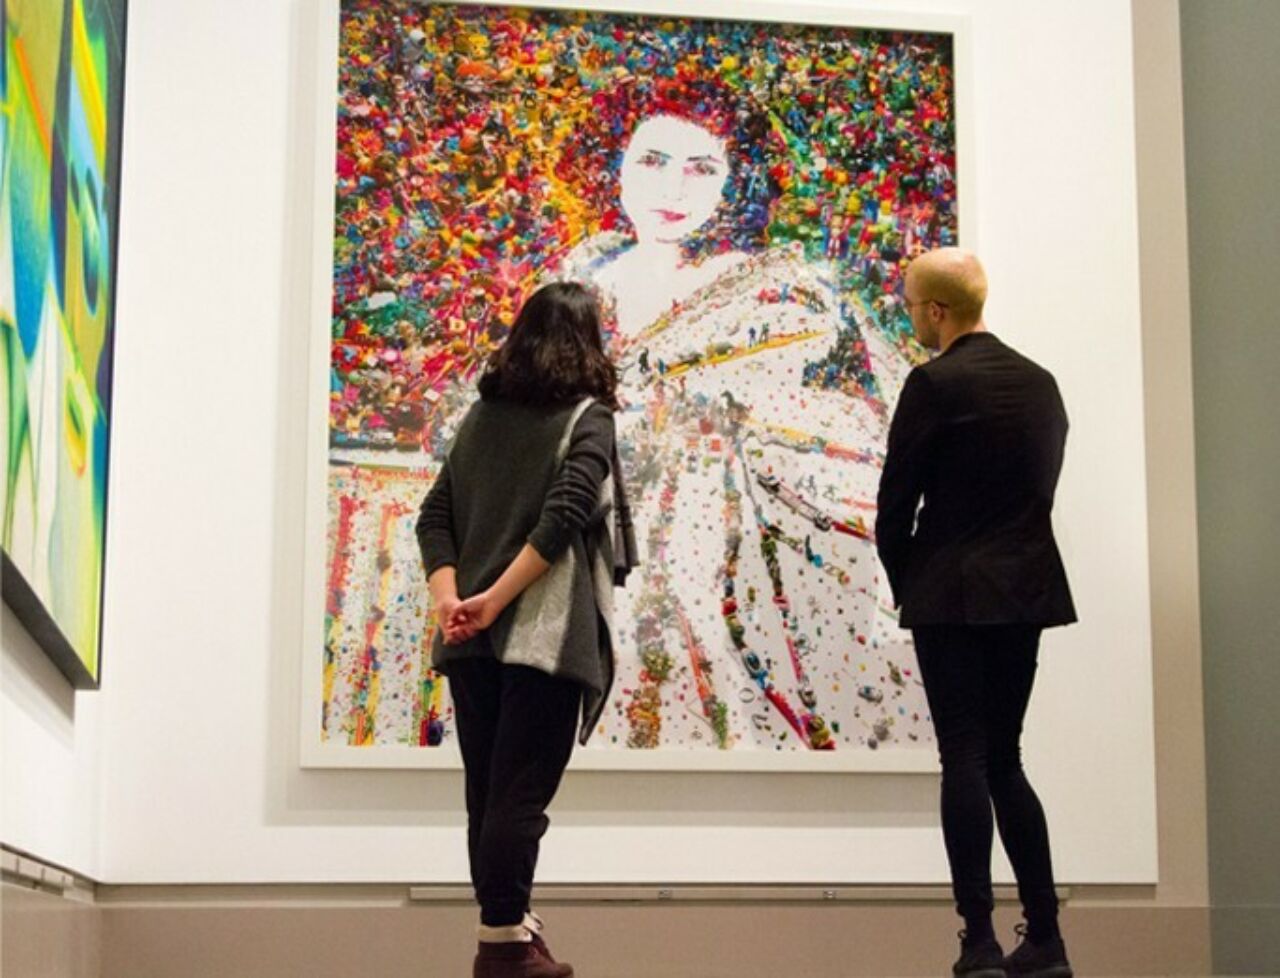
<point x="671" y="217"/>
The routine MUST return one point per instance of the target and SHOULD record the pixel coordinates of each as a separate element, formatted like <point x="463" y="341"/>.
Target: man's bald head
<point x="952" y="277"/>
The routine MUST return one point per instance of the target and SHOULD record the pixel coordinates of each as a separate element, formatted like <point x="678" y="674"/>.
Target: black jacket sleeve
<point x="435" y="525"/>
<point x="901" y="483"/>
<point x="574" y="495"/>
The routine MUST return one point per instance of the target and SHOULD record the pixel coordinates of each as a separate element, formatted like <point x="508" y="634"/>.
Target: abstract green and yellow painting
<point x="61" y="73"/>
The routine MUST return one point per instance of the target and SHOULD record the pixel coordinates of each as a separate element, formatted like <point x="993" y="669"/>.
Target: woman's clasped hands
<point x="461" y="620"/>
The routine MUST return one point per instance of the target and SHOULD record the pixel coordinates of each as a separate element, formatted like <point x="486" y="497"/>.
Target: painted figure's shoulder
<point x="587" y="260"/>
<point x="784" y="277"/>
<point x="460" y="410"/>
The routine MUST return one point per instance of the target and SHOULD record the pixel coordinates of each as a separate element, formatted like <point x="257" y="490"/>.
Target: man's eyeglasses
<point x="924" y="302"/>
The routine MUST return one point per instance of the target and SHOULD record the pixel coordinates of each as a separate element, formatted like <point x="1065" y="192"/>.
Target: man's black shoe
<point x="1029" y="960"/>
<point x="983" y="959"/>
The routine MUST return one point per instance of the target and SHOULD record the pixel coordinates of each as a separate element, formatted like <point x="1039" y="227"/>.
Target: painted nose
<point x="673" y="184"/>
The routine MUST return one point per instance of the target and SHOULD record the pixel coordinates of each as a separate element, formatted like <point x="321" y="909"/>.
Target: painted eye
<point x="652" y="160"/>
<point x="702" y="168"/>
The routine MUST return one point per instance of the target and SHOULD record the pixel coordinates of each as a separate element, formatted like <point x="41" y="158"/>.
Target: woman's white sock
<point x="511" y="934"/>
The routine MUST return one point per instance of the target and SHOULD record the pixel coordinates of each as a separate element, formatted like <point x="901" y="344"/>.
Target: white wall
<point x="50" y="756"/>
<point x="201" y="780"/>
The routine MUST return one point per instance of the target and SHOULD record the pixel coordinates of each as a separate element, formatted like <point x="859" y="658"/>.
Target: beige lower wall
<point x="45" y="935"/>
<point x="618" y="940"/>
<point x="337" y="931"/>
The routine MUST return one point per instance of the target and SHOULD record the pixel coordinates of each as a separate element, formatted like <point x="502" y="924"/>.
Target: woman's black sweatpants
<point x="516" y="729"/>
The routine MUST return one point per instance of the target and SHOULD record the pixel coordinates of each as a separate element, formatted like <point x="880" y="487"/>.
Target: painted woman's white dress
<point x="760" y="617"/>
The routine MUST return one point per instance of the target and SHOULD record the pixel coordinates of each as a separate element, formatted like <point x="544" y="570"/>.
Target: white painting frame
<point x="315" y="753"/>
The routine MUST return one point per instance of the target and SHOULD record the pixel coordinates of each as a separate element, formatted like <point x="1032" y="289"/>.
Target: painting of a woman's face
<point x="673" y="177"/>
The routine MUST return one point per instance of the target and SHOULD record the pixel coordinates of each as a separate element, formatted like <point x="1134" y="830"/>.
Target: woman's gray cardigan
<point x="518" y="474"/>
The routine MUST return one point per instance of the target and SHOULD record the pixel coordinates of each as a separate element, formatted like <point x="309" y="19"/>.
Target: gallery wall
<point x="201" y="780"/>
<point x="61" y="68"/>
<point x="1234" y="218"/>
<point x="50" y="756"/>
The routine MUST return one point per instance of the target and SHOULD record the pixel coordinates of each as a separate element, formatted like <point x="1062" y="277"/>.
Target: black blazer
<point x="979" y="434"/>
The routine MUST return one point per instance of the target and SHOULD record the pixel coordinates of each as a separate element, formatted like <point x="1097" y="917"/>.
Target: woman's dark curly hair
<point x="554" y="354"/>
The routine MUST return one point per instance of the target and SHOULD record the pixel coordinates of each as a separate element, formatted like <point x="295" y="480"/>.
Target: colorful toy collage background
<point x="481" y="152"/>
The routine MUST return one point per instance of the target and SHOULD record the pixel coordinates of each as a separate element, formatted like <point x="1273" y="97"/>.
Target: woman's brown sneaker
<point x="535" y="926"/>
<point x="541" y="945"/>
<point x="516" y="959"/>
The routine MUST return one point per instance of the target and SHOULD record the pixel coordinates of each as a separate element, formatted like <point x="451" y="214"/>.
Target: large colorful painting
<point x="61" y="69"/>
<point x="744" y="196"/>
